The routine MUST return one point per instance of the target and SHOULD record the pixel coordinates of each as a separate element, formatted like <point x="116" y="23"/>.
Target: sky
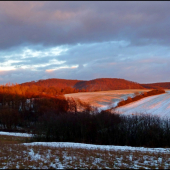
<point x="84" y="40"/>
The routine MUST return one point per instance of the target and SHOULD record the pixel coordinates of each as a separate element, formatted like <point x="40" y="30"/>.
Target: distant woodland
<point x="63" y="85"/>
<point x="100" y="84"/>
<point x="165" y="85"/>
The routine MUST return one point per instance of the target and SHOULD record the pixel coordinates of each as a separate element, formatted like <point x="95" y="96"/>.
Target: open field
<point x="63" y="155"/>
<point x="104" y="98"/>
<point x="155" y="105"/>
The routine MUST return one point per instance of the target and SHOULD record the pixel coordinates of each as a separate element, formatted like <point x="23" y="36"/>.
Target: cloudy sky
<point x="84" y="40"/>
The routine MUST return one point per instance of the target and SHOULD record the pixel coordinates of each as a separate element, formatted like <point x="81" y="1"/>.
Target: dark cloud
<point x="57" y="23"/>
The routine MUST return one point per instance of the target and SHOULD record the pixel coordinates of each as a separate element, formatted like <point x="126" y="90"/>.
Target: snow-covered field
<point x="103" y="99"/>
<point x="74" y="155"/>
<point x="158" y="105"/>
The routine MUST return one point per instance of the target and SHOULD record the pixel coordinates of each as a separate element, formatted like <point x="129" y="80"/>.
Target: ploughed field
<point x="16" y="154"/>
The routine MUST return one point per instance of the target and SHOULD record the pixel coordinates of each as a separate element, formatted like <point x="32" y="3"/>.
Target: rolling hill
<point x="100" y="84"/>
<point x="164" y="85"/>
<point x="91" y="85"/>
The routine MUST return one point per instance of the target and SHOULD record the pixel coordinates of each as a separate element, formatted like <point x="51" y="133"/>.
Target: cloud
<point x="115" y="59"/>
<point x="58" y="23"/>
<point x="84" y="40"/>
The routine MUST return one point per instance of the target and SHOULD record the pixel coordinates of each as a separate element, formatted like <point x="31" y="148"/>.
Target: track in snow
<point x="155" y="105"/>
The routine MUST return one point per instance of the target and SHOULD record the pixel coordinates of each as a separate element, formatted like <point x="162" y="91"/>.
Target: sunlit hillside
<point x="105" y="98"/>
<point x="101" y="84"/>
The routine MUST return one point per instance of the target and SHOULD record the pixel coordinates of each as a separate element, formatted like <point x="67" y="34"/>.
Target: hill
<point x="103" y="84"/>
<point x="164" y="85"/>
<point x="62" y="83"/>
<point x="100" y="84"/>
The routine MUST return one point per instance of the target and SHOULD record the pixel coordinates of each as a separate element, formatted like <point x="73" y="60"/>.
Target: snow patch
<point x="15" y="134"/>
<point x="94" y="147"/>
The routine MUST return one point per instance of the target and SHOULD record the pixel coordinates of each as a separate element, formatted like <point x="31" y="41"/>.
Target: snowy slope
<point x="156" y="105"/>
<point x="104" y="99"/>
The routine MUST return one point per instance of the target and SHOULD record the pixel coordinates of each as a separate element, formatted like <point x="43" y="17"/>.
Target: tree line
<point x="104" y="128"/>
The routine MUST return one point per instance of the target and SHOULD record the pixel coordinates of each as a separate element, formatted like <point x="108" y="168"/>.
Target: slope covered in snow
<point x="104" y="99"/>
<point x="158" y="105"/>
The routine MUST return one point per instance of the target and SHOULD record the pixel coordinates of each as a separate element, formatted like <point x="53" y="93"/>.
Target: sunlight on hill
<point x="104" y="98"/>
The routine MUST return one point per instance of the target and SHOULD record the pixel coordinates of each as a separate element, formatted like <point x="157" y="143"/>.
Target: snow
<point x="104" y="99"/>
<point x="158" y="105"/>
<point x="96" y="147"/>
<point x="56" y="155"/>
<point x="15" y="134"/>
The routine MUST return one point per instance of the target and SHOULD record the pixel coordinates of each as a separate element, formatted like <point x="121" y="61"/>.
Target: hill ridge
<point x="89" y="85"/>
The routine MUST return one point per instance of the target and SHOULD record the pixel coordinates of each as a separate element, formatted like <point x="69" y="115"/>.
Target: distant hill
<point x="107" y="84"/>
<point x="164" y="85"/>
<point x="100" y="84"/>
<point x="52" y="83"/>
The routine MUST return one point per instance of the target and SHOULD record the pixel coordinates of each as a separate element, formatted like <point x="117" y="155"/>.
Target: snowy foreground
<point x="158" y="105"/>
<point x="74" y="156"/>
<point x="84" y="146"/>
<point x="67" y="155"/>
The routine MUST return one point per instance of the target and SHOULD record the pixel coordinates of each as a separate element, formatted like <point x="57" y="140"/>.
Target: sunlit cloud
<point x="73" y="67"/>
<point x="30" y="58"/>
<point x="61" y="67"/>
<point x="54" y="51"/>
<point x="7" y="65"/>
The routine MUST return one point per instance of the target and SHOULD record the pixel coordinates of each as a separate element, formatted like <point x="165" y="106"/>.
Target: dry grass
<point x="5" y="139"/>
<point x="17" y="156"/>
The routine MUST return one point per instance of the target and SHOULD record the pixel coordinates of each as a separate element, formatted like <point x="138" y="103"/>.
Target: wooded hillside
<point x="164" y="85"/>
<point x="91" y="85"/>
